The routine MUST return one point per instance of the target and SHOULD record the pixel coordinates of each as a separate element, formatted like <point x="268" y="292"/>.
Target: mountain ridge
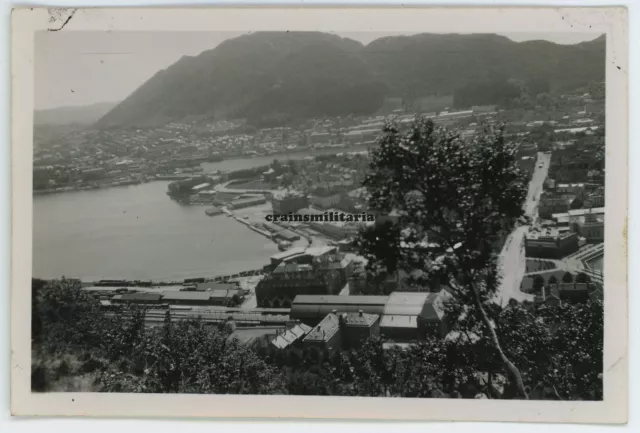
<point x="273" y="77"/>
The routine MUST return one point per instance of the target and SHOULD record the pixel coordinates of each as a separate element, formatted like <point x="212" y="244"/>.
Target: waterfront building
<point x="247" y="200"/>
<point x="284" y="204"/>
<point x="286" y="235"/>
<point x="276" y="259"/>
<point x="325" y="200"/>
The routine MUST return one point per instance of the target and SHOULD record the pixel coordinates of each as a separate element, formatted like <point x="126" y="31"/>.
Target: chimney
<point x="360" y="313"/>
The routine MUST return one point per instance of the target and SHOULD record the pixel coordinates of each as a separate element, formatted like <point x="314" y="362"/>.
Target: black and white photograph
<point x="414" y="214"/>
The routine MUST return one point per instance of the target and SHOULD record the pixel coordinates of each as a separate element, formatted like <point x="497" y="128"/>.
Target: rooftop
<point x="291" y="335"/>
<point x="319" y="251"/>
<point x="394" y="321"/>
<point x="359" y="319"/>
<point x="325" y="329"/>
<point x="216" y="286"/>
<point x="229" y="293"/>
<point x="290" y="252"/>
<point x="340" y="300"/>
<point x="428" y="305"/>
<point x="189" y="296"/>
<point x="547" y="233"/>
<point x="141" y="296"/>
<point x="581" y="212"/>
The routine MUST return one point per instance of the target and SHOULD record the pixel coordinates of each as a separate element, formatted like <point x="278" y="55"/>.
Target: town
<point x="315" y="294"/>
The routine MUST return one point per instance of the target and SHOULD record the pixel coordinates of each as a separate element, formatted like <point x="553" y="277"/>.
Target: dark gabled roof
<point x="141" y="297"/>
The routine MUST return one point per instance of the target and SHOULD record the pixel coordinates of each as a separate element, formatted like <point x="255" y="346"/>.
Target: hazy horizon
<point x="106" y="67"/>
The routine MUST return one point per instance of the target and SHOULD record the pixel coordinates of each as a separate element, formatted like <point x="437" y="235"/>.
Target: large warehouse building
<point x="404" y="316"/>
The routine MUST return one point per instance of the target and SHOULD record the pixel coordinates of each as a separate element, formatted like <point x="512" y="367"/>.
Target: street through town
<point x="512" y="261"/>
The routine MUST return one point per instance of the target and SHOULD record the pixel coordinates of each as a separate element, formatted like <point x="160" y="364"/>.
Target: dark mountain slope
<point x="272" y="77"/>
<point x="440" y="64"/>
<point x="258" y="76"/>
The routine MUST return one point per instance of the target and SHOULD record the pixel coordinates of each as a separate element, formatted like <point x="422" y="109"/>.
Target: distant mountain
<point x="424" y="64"/>
<point x="272" y="77"/>
<point x="75" y="115"/>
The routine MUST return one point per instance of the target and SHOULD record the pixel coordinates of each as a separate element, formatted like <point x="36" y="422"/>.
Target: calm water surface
<point x="137" y="232"/>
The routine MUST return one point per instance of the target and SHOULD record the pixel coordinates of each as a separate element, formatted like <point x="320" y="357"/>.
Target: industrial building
<point x="137" y="298"/>
<point x="247" y="200"/>
<point x="403" y="316"/>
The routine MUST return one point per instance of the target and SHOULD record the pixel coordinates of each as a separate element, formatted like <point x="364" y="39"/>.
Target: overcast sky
<point x="82" y="68"/>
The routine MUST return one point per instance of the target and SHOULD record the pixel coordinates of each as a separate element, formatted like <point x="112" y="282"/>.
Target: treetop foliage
<point x="454" y="199"/>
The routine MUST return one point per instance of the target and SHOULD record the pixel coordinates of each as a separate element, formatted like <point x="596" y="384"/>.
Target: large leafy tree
<point x="455" y="200"/>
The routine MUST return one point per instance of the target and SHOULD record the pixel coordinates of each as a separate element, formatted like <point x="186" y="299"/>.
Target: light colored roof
<point x="200" y="186"/>
<point x="393" y="321"/>
<point x="291" y="335"/>
<point x="290" y="252"/>
<point x="428" y="305"/>
<point x="319" y="251"/>
<point x="191" y="296"/>
<point x="221" y="293"/>
<point x="580" y="212"/>
<point x="325" y="329"/>
<point x="340" y="300"/>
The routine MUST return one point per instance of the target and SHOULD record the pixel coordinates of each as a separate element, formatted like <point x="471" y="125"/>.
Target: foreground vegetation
<point x="77" y="347"/>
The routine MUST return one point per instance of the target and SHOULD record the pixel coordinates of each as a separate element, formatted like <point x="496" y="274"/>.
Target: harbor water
<point x="137" y="232"/>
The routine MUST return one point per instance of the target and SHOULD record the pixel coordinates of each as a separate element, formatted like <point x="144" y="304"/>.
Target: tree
<point x="538" y="283"/>
<point x="583" y="278"/>
<point x="577" y="203"/>
<point x="455" y="200"/>
<point x="553" y="280"/>
<point x="567" y="277"/>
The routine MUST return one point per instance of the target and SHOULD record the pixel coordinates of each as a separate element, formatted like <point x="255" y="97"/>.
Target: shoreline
<point x="161" y="177"/>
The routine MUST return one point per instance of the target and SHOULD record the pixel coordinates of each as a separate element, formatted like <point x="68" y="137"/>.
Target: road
<point x="512" y="262"/>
